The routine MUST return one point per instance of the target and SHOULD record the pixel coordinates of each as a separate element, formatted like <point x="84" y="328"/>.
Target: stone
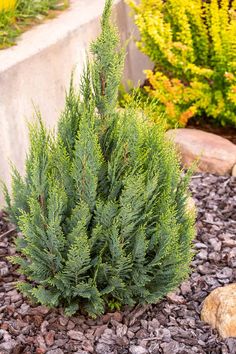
<point x="76" y="335"/>
<point x="216" y="154"/>
<point x="219" y="310"/>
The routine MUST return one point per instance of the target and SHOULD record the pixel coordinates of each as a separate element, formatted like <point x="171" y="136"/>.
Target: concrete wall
<point x="37" y="72"/>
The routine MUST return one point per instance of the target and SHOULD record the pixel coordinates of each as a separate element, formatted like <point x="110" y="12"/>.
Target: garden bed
<point x="172" y="326"/>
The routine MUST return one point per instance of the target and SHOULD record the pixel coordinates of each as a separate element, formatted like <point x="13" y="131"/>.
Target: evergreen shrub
<point x="192" y="46"/>
<point x="102" y="208"/>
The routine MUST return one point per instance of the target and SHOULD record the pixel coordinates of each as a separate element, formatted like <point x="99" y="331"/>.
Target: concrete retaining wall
<point x="37" y="72"/>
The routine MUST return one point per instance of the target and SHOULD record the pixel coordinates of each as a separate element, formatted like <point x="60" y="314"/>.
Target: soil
<point x="172" y="326"/>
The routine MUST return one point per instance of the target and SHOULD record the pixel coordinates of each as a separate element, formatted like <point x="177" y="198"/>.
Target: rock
<point x="137" y="349"/>
<point x="76" y="335"/>
<point x="219" y="310"/>
<point x="216" y="154"/>
<point x="234" y="171"/>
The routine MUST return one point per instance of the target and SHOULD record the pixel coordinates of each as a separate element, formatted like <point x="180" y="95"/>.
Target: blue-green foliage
<point x="102" y="208"/>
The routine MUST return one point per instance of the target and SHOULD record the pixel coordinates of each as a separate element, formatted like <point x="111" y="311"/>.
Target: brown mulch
<point x="173" y="326"/>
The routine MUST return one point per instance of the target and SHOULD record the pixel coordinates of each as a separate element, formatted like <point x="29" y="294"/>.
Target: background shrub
<point x="17" y="15"/>
<point x="102" y="207"/>
<point x="192" y="45"/>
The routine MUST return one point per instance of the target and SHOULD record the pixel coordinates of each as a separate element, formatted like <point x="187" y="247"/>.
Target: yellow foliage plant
<point x="6" y="5"/>
<point x="193" y="47"/>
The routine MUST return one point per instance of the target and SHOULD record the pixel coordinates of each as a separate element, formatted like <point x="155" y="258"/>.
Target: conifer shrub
<point x="192" y="46"/>
<point x="102" y="207"/>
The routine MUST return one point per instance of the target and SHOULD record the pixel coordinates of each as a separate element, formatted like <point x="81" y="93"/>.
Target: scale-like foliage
<point x="102" y="208"/>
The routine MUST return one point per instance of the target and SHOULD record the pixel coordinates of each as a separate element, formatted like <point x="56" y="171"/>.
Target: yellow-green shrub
<point x="7" y="5"/>
<point x="193" y="46"/>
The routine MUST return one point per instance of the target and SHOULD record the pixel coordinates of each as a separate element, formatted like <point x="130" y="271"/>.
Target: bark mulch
<point x="170" y="327"/>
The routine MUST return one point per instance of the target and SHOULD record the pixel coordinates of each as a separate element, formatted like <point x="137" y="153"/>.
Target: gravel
<point x="171" y="326"/>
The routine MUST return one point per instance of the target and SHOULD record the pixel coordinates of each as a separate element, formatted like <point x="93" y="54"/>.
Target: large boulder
<point x="219" y="310"/>
<point x="216" y="154"/>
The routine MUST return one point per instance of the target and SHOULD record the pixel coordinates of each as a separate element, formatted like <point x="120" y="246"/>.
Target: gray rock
<point x="216" y="154"/>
